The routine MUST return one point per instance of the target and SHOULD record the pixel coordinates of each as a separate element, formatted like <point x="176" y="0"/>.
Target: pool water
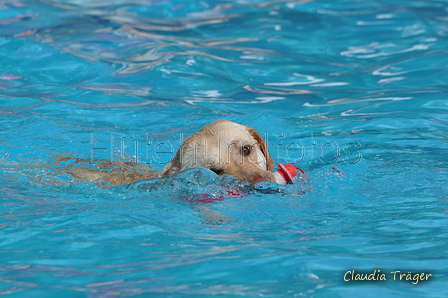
<point x="353" y="92"/>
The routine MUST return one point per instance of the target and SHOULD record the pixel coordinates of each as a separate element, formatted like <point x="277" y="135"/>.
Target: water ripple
<point x="354" y="92"/>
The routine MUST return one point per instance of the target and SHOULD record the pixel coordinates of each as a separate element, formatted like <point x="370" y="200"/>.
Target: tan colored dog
<point x="224" y="147"/>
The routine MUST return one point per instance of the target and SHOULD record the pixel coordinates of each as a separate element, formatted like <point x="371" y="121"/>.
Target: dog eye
<point x="246" y="150"/>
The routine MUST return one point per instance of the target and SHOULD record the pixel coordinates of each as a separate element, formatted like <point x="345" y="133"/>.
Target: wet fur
<point x="218" y="146"/>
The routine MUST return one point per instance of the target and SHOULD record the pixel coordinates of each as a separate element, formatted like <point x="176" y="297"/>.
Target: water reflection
<point x="236" y="52"/>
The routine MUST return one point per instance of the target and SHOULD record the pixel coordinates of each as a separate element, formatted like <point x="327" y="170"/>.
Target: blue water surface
<point x="353" y="92"/>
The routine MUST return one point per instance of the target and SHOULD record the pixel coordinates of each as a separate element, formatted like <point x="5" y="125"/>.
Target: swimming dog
<point x="223" y="146"/>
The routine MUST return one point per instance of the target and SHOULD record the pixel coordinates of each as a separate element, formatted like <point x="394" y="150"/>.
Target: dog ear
<point x="173" y="166"/>
<point x="263" y="147"/>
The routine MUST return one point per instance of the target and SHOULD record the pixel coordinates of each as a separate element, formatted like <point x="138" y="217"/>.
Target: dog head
<point x="225" y="147"/>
